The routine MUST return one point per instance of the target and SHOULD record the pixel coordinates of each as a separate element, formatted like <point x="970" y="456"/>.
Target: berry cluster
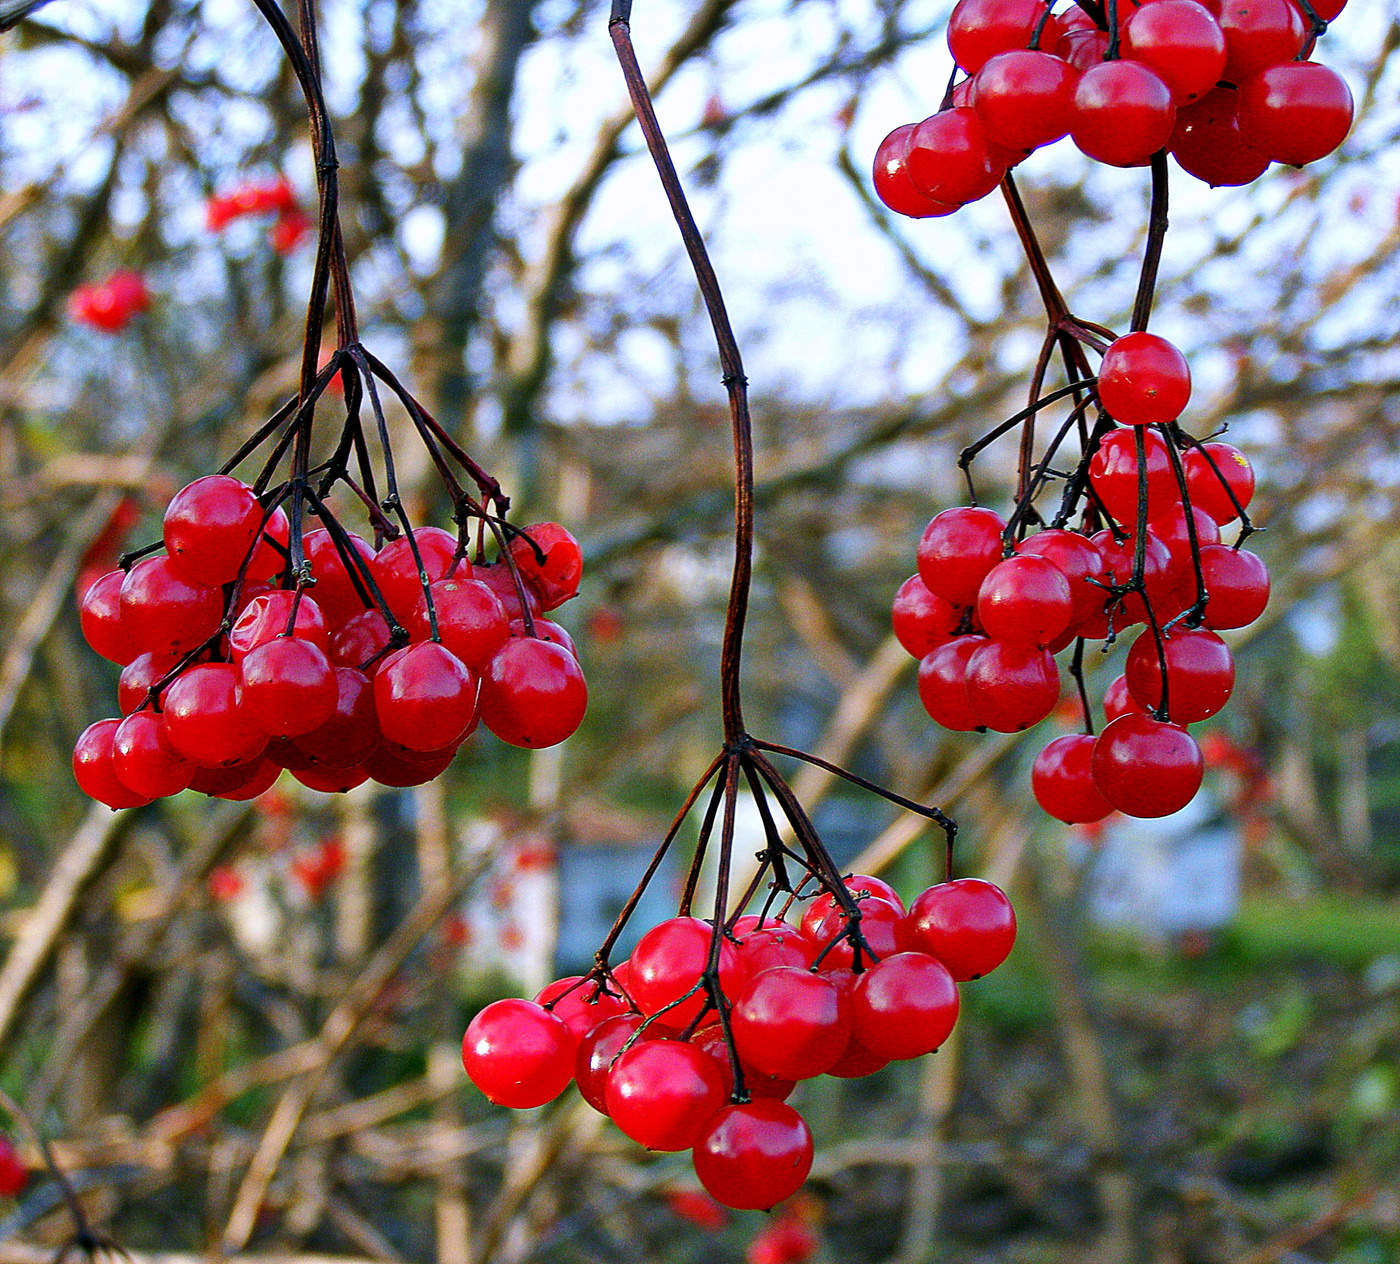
<point x="993" y="602"/>
<point x="1221" y="85"/>
<point x="697" y="1039"/>
<point x="110" y="305"/>
<point x="361" y="663"/>
<point x="290" y="225"/>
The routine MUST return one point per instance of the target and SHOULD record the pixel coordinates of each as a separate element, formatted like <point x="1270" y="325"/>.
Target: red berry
<point x="667" y="963"/>
<point x="1118" y="560"/>
<point x="1147" y="767"/>
<point x="359" y="639"/>
<point x="269" y="562"/>
<point x="1113" y="474"/>
<point x="968" y="924"/>
<point x="1025" y="601"/>
<point x="1238" y="584"/>
<point x="1296" y="112"/>
<point x="533" y="693"/>
<point x="710" y="1040"/>
<point x="237" y="782"/>
<point x="790" y="1022"/>
<point x="957" y="550"/>
<point x="351" y="734"/>
<point x="1025" y="99"/>
<point x="424" y="697"/>
<point x="144" y="760"/>
<point x="209" y="529"/>
<point x="762" y="948"/>
<point x="518" y="1053"/>
<point x="288" y="686"/>
<point x="138" y="676"/>
<point x="1209" y="469"/>
<point x="100" y="615"/>
<point x="950" y="160"/>
<point x="893" y="185"/>
<point x="1144" y="380"/>
<point x="555" y="576"/>
<point x="860" y="885"/>
<point x="165" y="613"/>
<point x="597" y="1050"/>
<point x="1123" y="113"/>
<point x="1117" y="700"/>
<point x="268" y="616"/>
<point x="905" y="1006"/>
<point x="331" y="779"/>
<point x="943" y="684"/>
<point x="1207" y="141"/>
<point x="1170" y="528"/>
<point x="94" y="771"/>
<point x="205" y="721"/>
<point x="663" y="1093"/>
<point x="753" y="1155"/>
<point x="396" y="569"/>
<point x="980" y="29"/>
<point x="1181" y="41"/>
<point x="395" y="765"/>
<point x="1200" y="673"/>
<point x="879" y="927"/>
<point x="335" y="590"/>
<point x="583" y="1005"/>
<point x="1258" y="33"/>
<point x="471" y="621"/>
<point x="923" y="621"/>
<point x="1078" y="559"/>
<point x="1063" y="783"/>
<point x="1012" y="687"/>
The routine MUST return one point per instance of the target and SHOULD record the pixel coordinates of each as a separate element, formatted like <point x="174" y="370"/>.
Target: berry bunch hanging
<point x="685" y="1055"/>
<point x="1136" y="535"/>
<point x="112" y="304"/>
<point x="262" y="633"/>
<point x="1224" y="86"/>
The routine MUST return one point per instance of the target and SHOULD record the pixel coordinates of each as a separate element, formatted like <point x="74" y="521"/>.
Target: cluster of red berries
<point x="110" y="305"/>
<point x="14" y="1176"/>
<point x="231" y="671"/>
<point x="291" y="225"/>
<point x="987" y="611"/>
<point x="1219" y="84"/>
<point x="835" y="995"/>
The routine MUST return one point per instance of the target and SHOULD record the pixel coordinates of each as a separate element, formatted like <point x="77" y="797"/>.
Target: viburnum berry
<point x="1208" y="143"/>
<point x="583" y="1005"/>
<point x="139" y="676"/>
<point x="1063" y="782"/>
<point x="1123" y="113"/>
<point x="209" y="529"/>
<point x="667" y="963"/>
<point x="359" y="639"/>
<point x="270" y="615"/>
<point x="424" y="697"/>
<point x="950" y="160"/>
<point x="95" y="771"/>
<point x="1078" y="559"/>
<point x="750" y="1156"/>
<point x="396" y="568"/>
<point x="790" y="1022"/>
<point x="1144" y="380"/>
<point x="533" y="693"/>
<point x="663" y="1093"/>
<point x="862" y="886"/>
<point x="1024" y="98"/>
<point x="1200" y="673"/>
<point x="1012" y="687"/>
<point x="879" y="928"/>
<point x="1238" y="583"/>
<point x="100" y="615"/>
<point x="1258" y="33"/>
<point x="518" y="1053"/>
<point x="1118" y="700"/>
<point x="980" y="29"/>
<point x="1171" y="529"/>
<point x="335" y="590"/>
<point x="166" y="613"/>
<point x="1025" y="600"/>
<point x="471" y="621"/>
<point x="922" y="620"/>
<point x="710" y="1041"/>
<point x="957" y="549"/>
<point x="1147" y="767"/>
<point x="1210" y="469"/>
<point x="555" y="570"/>
<point x="1181" y="41"/>
<point x="145" y="761"/>
<point x="768" y="946"/>
<point x="892" y="181"/>
<point x="1113" y="474"/>
<point x="237" y="782"/>
<point x="968" y="924"/>
<point x="905" y="1006"/>
<point x="288" y="686"/>
<point x="1296" y="112"/>
<point x="943" y="684"/>
<point x="1118" y="560"/>
<point x="206" y="721"/>
<point x="597" y="1050"/>
<point x="397" y="766"/>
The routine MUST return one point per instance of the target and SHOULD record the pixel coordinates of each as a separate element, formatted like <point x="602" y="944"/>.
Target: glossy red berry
<point x="471" y="621"/>
<point x="1296" y="112"/>
<point x="790" y="1022"/>
<point x="533" y="693"/>
<point x="980" y="29"/>
<point x="710" y="1040"/>
<point x="879" y="928"/>
<point x="550" y="561"/>
<point x="395" y="765"/>
<point x="359" y="639"/>
<point x="165" y="613"/>
<point x="1113" y="474"/>
<point x="1063" y="783"/>
<point x="1118" y="700"/>
<point x="597" y="1050"/>
<point x="335" y="590"/>
<point x="396" y="568"/>
<point x="1258" y="33"/>
<point x="1146" y="767"/>
<point x="1207" y="141"/>
<point x="144" y="760"/>
<point x="923" y="621"/>
<point x="1118" y="559"/>
<point x="269" y="562"/>
<point x="1012" y="687"/>
<point x="862" y="886"/>
<point x="663" y="1093"/>
<point x="1238" y="583"/>
<point x="273" y="614"/>
<point x="1144" y="380"/>
<point x="943" y="684"/>
<point x="1209" y="470"/>
<point x="424" y="697"/>
<point x="209" y="529"/>
<point x="1171" y="529"/>
<point x="94" y="771"/>
<point x="1025" y="98"/>
<point x="892" y="182"/>
<point x="1123" y="113"/>
<point x="905" y="1006"/>
<point x="351" y="734"/>
<point x="957" y="549"/>
<point x="518" y="1053"/>
<point x="1078" y="559"/>
<point x="205" y="721"/>
<point x="1025" y="600"/>
<point x="237" y="782"/>
<point x="667" y="963"/>
<point x="950" y="160"/>
<point x="583" y="1005"/>
<point x="1181" y="41"/>
<point x="1200" y="673"/>
<point x="139" y="676"/>
<point x="753" y="1155"/>
<point x="288" y="686"/>
<point x="968" y="924"/>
